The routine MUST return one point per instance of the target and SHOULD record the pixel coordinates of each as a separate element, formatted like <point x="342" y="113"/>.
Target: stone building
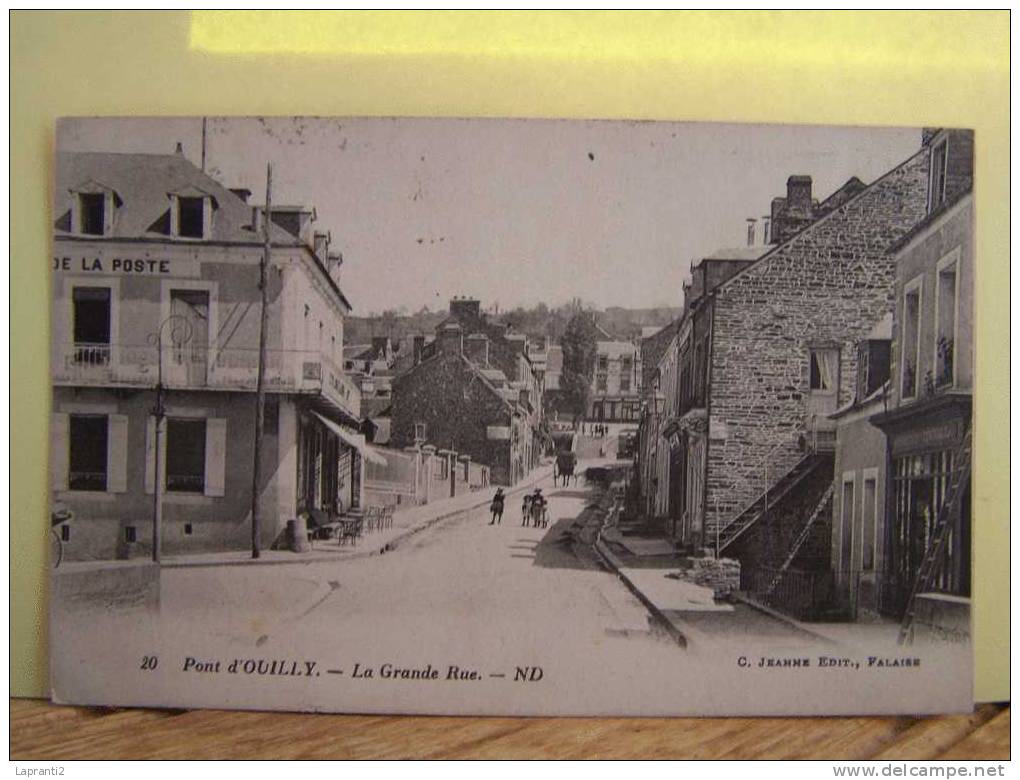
<point x="488" y="424"/>
<point x="674" y="435"/>
<point x="475" y="367"/>
<point x="768" y="350"/>
<point x="927" y="424"/>
<point x="781" y="354"/>
<point x="156" y="293"/>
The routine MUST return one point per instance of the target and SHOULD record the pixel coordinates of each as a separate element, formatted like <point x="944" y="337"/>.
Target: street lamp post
<point x="180" y="331"/>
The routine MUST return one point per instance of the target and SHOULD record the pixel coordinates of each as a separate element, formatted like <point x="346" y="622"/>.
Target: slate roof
<point x="143" y="184"/>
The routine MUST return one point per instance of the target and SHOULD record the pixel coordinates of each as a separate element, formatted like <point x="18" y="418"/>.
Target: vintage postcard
<point x="511" y="417"/>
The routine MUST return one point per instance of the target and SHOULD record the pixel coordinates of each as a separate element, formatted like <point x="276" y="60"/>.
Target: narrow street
<point x="487" y="599"/>
<point x="462" y="582"/>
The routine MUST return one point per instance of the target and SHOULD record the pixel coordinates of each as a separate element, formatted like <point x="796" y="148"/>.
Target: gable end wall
<point x="826" y="286"/>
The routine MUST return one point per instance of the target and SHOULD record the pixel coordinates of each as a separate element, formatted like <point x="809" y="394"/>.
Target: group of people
<point x="534" y="509"/>
<point x="598" y="430"/>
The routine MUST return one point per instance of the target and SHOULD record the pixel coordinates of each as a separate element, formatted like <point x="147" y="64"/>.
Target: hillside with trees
<point x="541" y="321"/>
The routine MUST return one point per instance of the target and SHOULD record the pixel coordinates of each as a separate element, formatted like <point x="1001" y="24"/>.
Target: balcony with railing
<point x="196" y="367"/>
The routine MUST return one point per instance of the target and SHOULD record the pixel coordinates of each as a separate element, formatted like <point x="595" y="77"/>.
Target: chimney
<point x="927" y="134"/>
<point x="333" y="262"/>
<point x="242" y="192"/>
<point x="518" y="343"/>
<point x="450" y="339"/>
<point x="465" y="308"/>
<point x="320" y="245"/>
<point x="751" y="222"/>
<point x="417" y="347"/>
<point x="798" y="193"/>
<point x="476" y="349"/>
<point x="766" y="238"/>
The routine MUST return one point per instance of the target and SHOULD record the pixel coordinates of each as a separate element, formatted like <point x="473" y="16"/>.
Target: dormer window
<point x="92" y="209"/>
<point x="191" y="217"/>
<point x="191" y="213"/>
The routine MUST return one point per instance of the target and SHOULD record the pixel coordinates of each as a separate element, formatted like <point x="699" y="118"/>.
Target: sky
<point x="519" y="211"/>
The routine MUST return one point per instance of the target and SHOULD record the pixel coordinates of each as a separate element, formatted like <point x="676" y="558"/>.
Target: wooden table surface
<point x="42" y="731"/>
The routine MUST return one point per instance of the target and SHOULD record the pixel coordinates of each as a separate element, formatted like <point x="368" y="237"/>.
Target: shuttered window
<point x="88" y="440"/>
<point x="185" y="455"/>
<point x="193" y="455"/>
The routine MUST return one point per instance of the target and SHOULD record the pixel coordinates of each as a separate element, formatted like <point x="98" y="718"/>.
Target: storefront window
<point x="921" y="485"/>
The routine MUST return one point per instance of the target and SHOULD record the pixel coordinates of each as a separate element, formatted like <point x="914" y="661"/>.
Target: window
<point x="190" y="217"/>
<point x="846" y="525"/>
<point x="937" y="175"/>
<point x="91" y="314"/>
<point x="88" y="436"/>
<point x="601" y="383"/>
<point x="92" y="213"/>
<point x="419" y="432"/>
<point x="911" y="339"/>
<point x="945" y="319"/>
<point x="603" y="363"/>
<point x="872" y="366"/>
<point x="185" y="455"/>
<point x="868" y="507"/>
<point x="824" y="370"/>
<point x="625" y="382"/>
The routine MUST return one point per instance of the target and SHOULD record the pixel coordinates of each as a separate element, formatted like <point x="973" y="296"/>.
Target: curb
<point x="776" y="615"/>
<point x="614" y="565"/>
<point x="387" y="547"/>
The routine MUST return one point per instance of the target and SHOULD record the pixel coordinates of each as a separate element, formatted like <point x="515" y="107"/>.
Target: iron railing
<point x="194" y="366"/>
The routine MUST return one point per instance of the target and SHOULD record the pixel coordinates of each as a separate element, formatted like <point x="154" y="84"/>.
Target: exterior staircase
<point x="812" y="542"/>
<point x="769" y="498"/>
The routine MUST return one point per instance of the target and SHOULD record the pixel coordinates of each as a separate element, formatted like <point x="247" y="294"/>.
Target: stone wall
<point x="826" y="287"/>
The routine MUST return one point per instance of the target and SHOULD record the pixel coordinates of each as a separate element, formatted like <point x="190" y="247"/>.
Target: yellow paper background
<point x="866" y="68"/>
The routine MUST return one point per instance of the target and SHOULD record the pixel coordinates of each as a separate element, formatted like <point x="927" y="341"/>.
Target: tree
<point x="578" y="344"/>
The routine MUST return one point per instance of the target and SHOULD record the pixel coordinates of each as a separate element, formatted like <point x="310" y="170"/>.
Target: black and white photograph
<point x="511" y="417"/>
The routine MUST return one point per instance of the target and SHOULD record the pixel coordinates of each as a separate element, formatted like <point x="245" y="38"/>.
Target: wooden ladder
<point x="933" y="556"/>
<point x="801" y="538"/>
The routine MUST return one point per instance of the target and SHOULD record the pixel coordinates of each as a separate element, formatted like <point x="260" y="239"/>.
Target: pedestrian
<point x="526" y="510"/>
<point x="538" y="510"/>
<point x="496" y="507"/>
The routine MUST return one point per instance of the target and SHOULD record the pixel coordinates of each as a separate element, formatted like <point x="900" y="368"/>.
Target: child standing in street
<point x="496" y="507"/>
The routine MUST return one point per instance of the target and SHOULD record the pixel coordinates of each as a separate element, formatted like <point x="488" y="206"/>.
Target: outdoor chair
<point x="373" y="517"/>
<point x="322" y="524"/>
<point x="349" y="531"/>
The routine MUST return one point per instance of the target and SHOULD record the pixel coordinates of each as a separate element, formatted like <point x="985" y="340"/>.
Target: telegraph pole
<point x="260" y="396"/>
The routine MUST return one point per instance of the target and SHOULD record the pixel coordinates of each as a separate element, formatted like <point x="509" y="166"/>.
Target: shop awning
<point x="355" y="440"/>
